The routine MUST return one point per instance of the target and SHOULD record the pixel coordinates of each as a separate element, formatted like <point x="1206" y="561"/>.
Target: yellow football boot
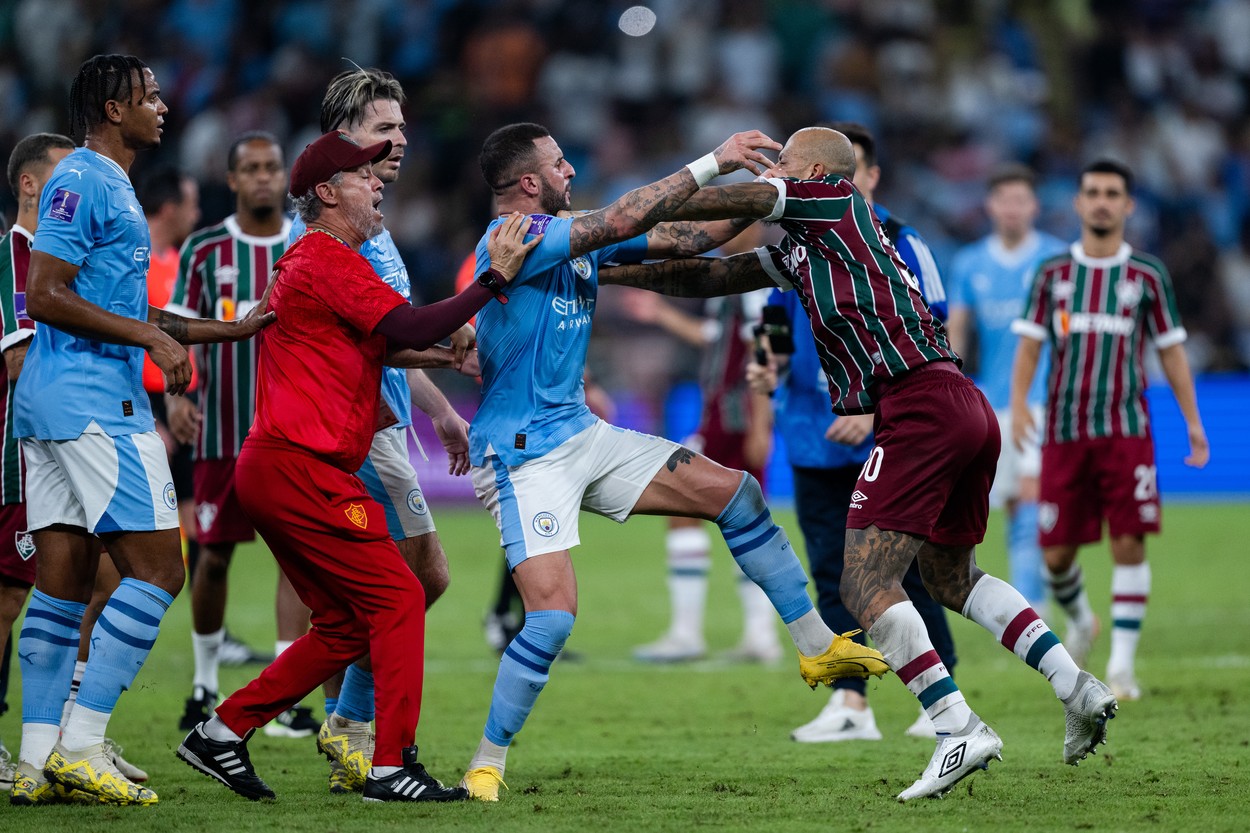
<point x="842" y="659"/>
<point x="483" y="783"/>
<point x="350" y="744"/>
<point x="92" y="772"/>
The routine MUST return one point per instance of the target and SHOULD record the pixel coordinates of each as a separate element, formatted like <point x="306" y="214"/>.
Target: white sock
<point x="280" y="646"/>
<point x="207" y="647"/>
<point x="489" y="754"/>
<point x="79" y="667"/>
<point x="758" y="614"/>
<point x="901" y="637"/>
<point x="1130" y="590"/>
<point x="810" y="634"/>
<point x="377" y="772"/>
<point x="999" y="608"/>
<point x="216" y="730"/>
<point x="84" y="728"/>
<point x="37" y="742"/>
<point x="689" y="560"/>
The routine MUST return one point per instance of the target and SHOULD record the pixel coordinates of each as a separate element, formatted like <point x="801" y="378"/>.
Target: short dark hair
<point x="507" y="150"/>
<point x="232" y="156"/>
<point x="859" y="135"/>
<point x="31" y="151"/>
<point x="1012" y="172"/>
<point x="101" y="79"/>
<point x="351" y="91"/>
<point x="1109" y="166"/>
<point x="161" y="187"/>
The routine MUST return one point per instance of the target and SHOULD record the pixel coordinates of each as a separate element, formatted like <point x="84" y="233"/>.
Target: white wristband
<point x="704" y="169"/>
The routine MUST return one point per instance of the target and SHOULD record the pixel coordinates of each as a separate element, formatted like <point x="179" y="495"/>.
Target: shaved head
<point x="822" y="146"/>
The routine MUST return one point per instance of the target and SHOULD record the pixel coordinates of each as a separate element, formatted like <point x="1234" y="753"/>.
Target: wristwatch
<point x="490" y="279"/>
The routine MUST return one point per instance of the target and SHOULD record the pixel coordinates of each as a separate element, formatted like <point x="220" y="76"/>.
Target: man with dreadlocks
<point x="96" y="470"/>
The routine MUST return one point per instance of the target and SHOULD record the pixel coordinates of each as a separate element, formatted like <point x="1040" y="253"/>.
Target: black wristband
<point x="493" y="281"/>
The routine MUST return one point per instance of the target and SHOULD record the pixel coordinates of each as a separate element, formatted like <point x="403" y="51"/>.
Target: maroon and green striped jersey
<point x="222" y="273"/>
<point x="14" y="261"/>
<point x="1097" y="314"/>
<point x="870" y="321"/>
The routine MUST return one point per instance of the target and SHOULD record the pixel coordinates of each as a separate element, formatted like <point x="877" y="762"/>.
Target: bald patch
<point x="828" y="147"/>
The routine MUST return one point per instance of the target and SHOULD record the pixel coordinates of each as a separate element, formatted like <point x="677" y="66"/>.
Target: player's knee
<point x="548" y="629"/>
<point x="746" y="504"/>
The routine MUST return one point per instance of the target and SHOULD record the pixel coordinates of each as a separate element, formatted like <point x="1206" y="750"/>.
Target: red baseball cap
<point x="332" y="153"/>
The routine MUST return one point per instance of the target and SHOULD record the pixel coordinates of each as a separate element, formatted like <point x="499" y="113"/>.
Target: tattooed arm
<point x="640" y="209"/>
<point x="743" y="199"/>
<point x="684" y="239"/>
<point x="694" y="277"/>
<point x="203" y="330"/>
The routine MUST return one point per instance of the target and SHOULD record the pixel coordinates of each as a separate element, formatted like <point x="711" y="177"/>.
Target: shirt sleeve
<point x="18" y="326"/>
<point x="1033" y="321"/>
<point x="72" y="212"/>
<point x="358" y="296"/>
<point x="772" y="258"/>
<point x="811" y="199"/>
<point x="633" y="250"/>
<point x="187" y="298"/>
<point x="919" y="259"/>
<point x="1163" y="316"/>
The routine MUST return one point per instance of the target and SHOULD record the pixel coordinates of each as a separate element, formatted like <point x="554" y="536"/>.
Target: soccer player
<point x="317" y="404"/>
<point x="222" y="273"/>
<point x="989" y="281"/>
<point x="1096" y="306"/>
<point x="95" y="467"/>
<point x="827" y="457"/>
<point x="30" y="164"/>
<point x="735" y="430"/>
<point x="366" y="104"/>
<point x="924" y="491"/>
<point x="539" y="454"/>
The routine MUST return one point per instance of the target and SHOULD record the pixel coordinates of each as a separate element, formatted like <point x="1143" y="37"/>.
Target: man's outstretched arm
<point x="694" y="277"/>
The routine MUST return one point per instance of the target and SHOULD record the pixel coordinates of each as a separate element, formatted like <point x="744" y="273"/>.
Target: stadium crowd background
<point x="950" y="88"/>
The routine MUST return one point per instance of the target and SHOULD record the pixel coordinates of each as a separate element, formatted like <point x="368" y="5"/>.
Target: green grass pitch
<point x="613" y="745"/>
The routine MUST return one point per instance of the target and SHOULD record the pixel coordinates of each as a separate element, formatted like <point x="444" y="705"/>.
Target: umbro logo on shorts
<point x="857" y="499"/>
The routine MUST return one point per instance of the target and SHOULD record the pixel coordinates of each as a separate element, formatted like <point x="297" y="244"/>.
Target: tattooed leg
<point x="690" y="486"/>
<point x="874" y="563"/>
<point x="949" y="573"/>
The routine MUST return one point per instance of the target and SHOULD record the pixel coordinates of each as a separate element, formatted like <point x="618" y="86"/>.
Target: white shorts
<point x="392" y="481"/>
<point x="1014" y="464"/>
<point x="100" y="483"/>
<point x="604" y="470"/>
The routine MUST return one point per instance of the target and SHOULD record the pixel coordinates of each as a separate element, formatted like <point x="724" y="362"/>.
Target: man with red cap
<point x="317" y="383"/>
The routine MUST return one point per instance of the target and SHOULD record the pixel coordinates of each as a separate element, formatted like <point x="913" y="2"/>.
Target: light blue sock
<point x="763" y="551"/>
<point x="356" y="695"/>
<point x="331" y="704"/>
<point x="523" y="672"/>
<point x="1024" y="554"/>
<point x="47" y="650"/>
<point x="120" y="642"/>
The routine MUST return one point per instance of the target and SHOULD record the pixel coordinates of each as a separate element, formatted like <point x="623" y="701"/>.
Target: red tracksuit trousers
<point x="330" y="539"/>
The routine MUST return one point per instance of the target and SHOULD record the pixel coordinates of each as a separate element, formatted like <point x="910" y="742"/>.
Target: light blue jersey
<point x="89" y="217"/>
<point x="533" y="349"/>
<point x="383" y="256"/>
<point x="992" y="283"/>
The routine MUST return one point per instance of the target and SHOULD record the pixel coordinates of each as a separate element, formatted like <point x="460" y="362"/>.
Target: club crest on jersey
<point x="545" y="524"/>
<point x="416" y="502"/>
<point x="171" y="496"/>
<point x="25" y="543"/>
<point x="226" y="274"/>
<point x="1128" y="293"/>
<point x="357" y="515"/>
<point x="581" y="265"/>
<point x="64" y="205"/>
<point x="1062" y="290"/>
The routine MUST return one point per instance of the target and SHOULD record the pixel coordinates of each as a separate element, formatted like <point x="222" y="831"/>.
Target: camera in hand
<point x="776" y="325"/>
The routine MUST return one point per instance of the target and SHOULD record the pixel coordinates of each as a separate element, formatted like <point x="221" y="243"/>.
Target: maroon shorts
<point x="17" y="547"/>
<point x="931" y="469"/>
<point x="219" y="519"/>
<point x="1084" y="481"/>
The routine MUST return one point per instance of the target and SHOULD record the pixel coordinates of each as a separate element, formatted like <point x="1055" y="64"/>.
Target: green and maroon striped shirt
<point x="222" y="273"/>
<point x="870" y="320"/>
<point x="14" y="262"/>
<point x="1097" y="314"/>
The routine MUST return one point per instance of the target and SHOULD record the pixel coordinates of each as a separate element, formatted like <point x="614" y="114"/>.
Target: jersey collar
<point x="1118" y="259"/>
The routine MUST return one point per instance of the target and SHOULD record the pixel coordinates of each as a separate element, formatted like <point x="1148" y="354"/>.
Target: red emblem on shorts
<point x="357" y="515"/>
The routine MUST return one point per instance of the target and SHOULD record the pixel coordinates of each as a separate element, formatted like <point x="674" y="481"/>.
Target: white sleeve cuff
<point x="15" y="337"/>
<point x="766" y="260"/>
<point x="1028" y="329"/>
<point x="780" y="207"/>
<point x="179" y="309"/>
<point x="1170" y="338"/>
